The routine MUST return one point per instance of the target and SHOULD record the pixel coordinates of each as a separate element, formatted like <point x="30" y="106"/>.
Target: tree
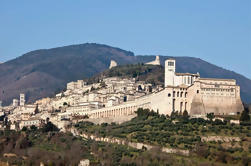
<point x="210" y="116"/>
<point x="174" y="114"/>
<point x="185" y="114"/>
<point x="245" y="115"/>
<point x="202" y="150"/>
<point x="36" y="109"/>
<point x="24" y="128"/>
<point x="92" y="88"/>
<point x="33" y="127"/>
<point x="142" y="112"/>
<point x="49" y="127"/>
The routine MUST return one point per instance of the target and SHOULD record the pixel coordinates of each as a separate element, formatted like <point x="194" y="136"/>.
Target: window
<point x="170" y="63"/>
<point x="169" y="94"/>
<point x="173" y="93"/>
<point x="181" y="105"/>
<point x="198" y="91"/>
<point x="178" y="94"/>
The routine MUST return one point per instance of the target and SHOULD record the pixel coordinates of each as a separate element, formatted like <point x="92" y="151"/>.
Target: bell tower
<point x="22" y="99"/>
<point x="170" y="66"/>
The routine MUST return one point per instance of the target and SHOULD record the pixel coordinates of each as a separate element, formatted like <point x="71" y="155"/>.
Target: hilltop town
<point x="115" y="98"/>
<point x="185" y="115"/>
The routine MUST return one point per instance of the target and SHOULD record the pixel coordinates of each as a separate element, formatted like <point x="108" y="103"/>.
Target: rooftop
<point x="218" y="79"/>
<point x="186" y="74"/>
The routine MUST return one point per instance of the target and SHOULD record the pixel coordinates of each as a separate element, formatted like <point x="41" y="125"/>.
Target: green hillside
<point x="178" y="131"/>
<point x="141" y="72"/>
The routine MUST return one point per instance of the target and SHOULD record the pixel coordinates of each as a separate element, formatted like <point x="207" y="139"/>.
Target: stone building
<point x="200" y="95"/>
<point x="183" y="91"/>
<point x="22" y="99"/>
<point x="113" y="64"/>
<point x="175" y="79"/>
<point x="155" y="62"/>
<point x="15" y="103"/>
<point x="31" y="122"/>
<point x="76" y="85"/>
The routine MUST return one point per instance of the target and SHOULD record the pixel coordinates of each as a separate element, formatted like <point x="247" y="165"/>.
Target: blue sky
<point x="218" y="31"/>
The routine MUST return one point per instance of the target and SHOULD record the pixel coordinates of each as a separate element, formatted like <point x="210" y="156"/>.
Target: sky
<point x="218" y="31"/>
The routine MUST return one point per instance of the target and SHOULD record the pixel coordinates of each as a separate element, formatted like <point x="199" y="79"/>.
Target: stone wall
<point x="220" y="138"/>
<point x="220" y="99"/>
<point x="135" y="145"/>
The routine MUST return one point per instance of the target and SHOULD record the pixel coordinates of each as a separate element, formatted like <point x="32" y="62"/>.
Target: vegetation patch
<point x="178" y="131"/>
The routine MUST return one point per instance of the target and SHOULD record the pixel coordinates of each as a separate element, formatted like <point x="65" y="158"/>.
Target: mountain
<point x="41" y="73"/>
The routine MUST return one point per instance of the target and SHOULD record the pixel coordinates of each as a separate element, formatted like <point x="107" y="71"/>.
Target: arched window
<point x="178" y="94"/>
<point x="173" y="93"/>
<point x="181" y="106"/>
<point x="185" y="94"/>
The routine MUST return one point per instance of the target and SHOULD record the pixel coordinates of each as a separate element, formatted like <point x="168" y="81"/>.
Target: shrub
<point x="33" y="128"/>
<point x="210" y="116"/>
<point x="49" y="127"/>
<point x="185" y="114"/>
<point x="245" y="116"/>
<point x="202" y="150"/>
<point x="24" y="128"/>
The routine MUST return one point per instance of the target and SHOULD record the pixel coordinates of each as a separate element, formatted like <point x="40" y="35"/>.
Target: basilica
<point x="183" y="91"/>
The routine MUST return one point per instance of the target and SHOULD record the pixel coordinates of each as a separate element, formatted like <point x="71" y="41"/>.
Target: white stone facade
<point x="155" y="62"/>
<point x="30" y="122"/>
<point x="22" y="99"/>
<point x="76" y="85"/>
<point x="113" y="64"/>
<point x="15" y="103"/>
<point x="200" y="95"/>
<point x="184" y="91"/>
<point x="176" y="79"/>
